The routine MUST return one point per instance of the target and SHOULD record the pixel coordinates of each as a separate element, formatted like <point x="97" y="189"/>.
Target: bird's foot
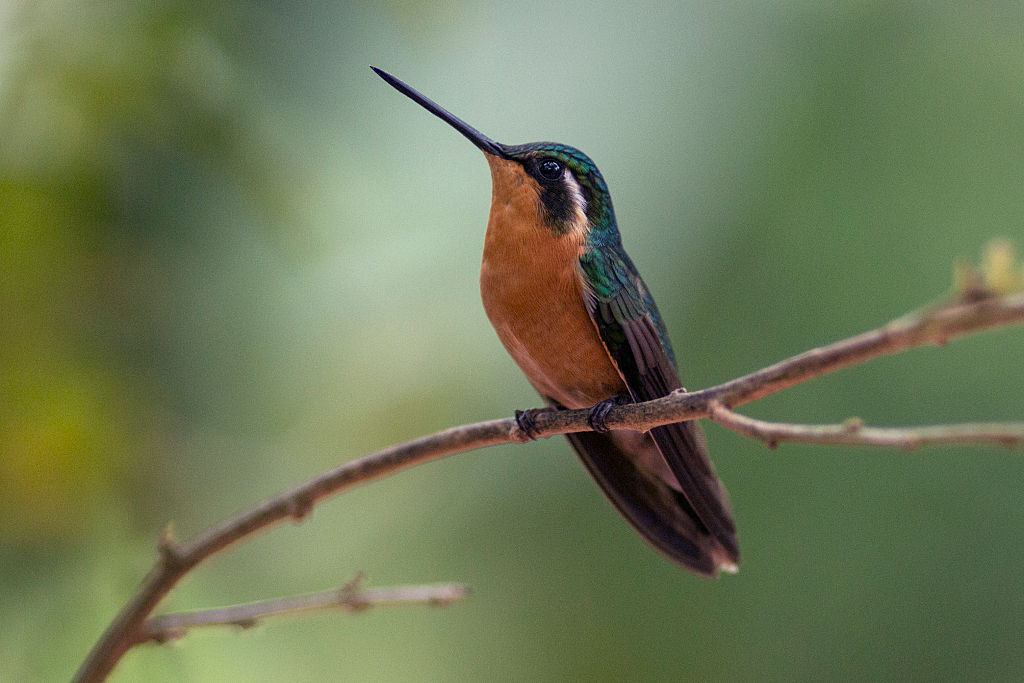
<point x="599" y="413"/>
<point x="527" y="424"/>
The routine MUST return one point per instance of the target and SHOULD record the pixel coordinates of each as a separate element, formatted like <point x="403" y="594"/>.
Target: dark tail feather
<point x="659" y="513"/>
<point x="682" y="446"/>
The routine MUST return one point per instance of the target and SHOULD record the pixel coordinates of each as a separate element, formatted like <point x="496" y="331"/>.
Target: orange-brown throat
<point x="562" y="209"/>
<point x="513" y="191"/>
<point x="517" y="227"/>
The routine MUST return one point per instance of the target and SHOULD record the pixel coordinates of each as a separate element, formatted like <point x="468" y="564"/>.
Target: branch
<point x="931" y="326"/>
<point x="934" y="326"/>
<point x="854" y="433"/>
<point x="351" y="598"/>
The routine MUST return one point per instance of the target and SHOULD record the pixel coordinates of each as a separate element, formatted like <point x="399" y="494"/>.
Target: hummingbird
<point x="573" y="312"/>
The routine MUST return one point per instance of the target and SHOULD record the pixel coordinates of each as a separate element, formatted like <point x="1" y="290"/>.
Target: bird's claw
<point x="525" y="420"/>
<point x="599" y="413"/>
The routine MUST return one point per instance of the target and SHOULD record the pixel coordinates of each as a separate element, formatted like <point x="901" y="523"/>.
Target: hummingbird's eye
<point x="550" y="169"/>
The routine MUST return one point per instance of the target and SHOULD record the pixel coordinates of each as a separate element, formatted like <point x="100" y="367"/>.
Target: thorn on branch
<point x="167" y="636"/>
<point x="348" y="592"/>
<point x="169" y="549"/>
<point x="852" y="425"/>
<point x="350" y="595"/>
<point x="299" y="507"/>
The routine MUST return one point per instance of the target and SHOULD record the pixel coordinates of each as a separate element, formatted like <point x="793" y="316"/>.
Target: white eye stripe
<point x="579" y="202"/>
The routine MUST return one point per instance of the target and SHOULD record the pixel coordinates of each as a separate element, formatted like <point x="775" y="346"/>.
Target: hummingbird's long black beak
<point x="486" y="144"/>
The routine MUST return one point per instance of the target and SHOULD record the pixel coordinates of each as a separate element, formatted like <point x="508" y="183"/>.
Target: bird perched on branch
<point x="574" y="314"/>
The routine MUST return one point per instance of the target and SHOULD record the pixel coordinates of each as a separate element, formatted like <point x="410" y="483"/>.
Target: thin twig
<point x="930" y="326"/>
<point x="177" y="559"/>
<point x="853" y="432"/>
<point x="351" y="598"/>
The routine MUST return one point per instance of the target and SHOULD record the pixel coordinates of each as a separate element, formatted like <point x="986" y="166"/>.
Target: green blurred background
<point x="231" y="257"/>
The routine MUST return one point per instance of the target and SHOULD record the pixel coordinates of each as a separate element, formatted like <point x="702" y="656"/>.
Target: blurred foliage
<point x="230" y="257"/>
<point x="104" y="106"/>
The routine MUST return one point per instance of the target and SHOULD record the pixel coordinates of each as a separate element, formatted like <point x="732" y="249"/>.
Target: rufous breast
<point x="530" y="286"/>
